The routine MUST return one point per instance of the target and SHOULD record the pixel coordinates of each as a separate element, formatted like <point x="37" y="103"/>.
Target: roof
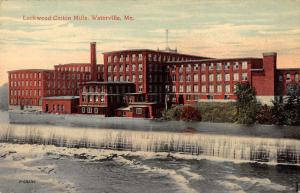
<point x="106" y="82"/>
<point x="62" y="97"/>
<point x="35" y="70"/>
<point x="214" y="60"/>
<point x="150" y="50"/>
<point x="123" y="108"/>
<point x="288" y="69"/>
<point x="78" y="63"/>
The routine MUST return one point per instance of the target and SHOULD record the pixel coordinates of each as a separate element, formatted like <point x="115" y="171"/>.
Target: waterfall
<point x="267" y="150"/>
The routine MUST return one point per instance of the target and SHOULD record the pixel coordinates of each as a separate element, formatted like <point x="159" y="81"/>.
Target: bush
<point x="264" y="115"/>
<point x="172" y="114"/>
<point x="185" y="113"/>
<point x="217" y="112"/>
<point x="189" y="113"/>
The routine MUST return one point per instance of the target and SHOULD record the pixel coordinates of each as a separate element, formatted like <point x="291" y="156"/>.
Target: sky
<point x="220" y="29"/>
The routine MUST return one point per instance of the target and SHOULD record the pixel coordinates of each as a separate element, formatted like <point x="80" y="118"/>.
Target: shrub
<point x="217" y="111"/>
<point x="172" y="114"/>
<point x="189" y="113"/>
<point x="264" y="115"/>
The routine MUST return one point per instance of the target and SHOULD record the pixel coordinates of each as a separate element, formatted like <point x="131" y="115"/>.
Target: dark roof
<point x="75" y="64"/>
<point x="106" y="82"/>
<point x="62" y="97"/>
<point x="288" y="69"/>
<point x="36" y="70"/>
<point x="214" y="59"/>
<point x="150" y="50"/>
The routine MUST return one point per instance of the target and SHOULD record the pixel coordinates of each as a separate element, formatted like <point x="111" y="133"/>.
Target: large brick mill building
<point x="143" y="82"/>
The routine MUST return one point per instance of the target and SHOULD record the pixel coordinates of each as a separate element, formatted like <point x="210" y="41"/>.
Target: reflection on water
<point x="269" y="150"/>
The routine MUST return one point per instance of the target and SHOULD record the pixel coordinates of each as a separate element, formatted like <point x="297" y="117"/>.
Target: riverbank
<point x="137" y="124"/>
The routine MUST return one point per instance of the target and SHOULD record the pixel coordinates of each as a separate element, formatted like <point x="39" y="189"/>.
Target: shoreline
<point x="140" y="124"/>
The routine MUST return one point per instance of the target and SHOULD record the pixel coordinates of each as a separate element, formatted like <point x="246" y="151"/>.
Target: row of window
<point x="58" y="108"/>
<point x="28" y="102"/>
<point x="219" y="88"/>
<point x="25" y="93"/>
<point x="59" y="92"/>
<point x="86" y="68"/>
<point x="211" y="77"/>
<point x="289" y="78"/>
<point x="85" y="76"/>
<point x="93" y="98"/>
<point x="25" y="83"/>
<point x="210" y="66"/>
<point x="127" y="67"/>
<point x="122" y="58"/>
<point x="26" y="75"/>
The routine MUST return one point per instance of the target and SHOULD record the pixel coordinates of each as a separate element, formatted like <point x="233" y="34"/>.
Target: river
<point x="49" y="158"/>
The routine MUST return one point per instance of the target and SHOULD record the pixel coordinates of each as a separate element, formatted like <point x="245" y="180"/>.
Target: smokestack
<point x="93" y="62"/>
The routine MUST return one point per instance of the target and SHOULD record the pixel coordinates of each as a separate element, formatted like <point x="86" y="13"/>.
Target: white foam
<point x="264" y="182"/>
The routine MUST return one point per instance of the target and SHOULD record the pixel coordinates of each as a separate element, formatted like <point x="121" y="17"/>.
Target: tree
<point x="292" y="104"/>
<point x="246" y="103"/>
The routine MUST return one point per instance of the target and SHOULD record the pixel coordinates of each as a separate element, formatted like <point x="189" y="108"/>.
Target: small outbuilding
<point x="60" y="104"/>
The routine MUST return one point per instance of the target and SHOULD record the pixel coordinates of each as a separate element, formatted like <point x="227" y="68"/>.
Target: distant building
<point x="143" y="82"/>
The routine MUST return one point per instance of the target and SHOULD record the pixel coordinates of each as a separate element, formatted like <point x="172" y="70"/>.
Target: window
<point x="102" y="98"/>
<point x="203" y="67"/>
<point x="219" y="77"/>
<point x="280" y="78"/>
<point x="180" y="78"/>
<point x="96" y="110"/>
<point x="227" y="66"/>
<point x="244" y="76"/>
<point x="227" y="88"/>
<point x="180" y="88"/>
<point x="140" y="67"/>
<point x="188" y="68"/>
<point x="188" y="97"/>
<point x="234" y="88"/>
<point x="219" y="66"/>
<point x="196" y="77"/>
<point x="195" y="88"/>
<point x="236" y="65"/>
<point x="296" y="77"/>
<point x="211" y="66"/>
<point x="236" y="76"/>
<point x="203" y="88"/>
<point x="195" y="67"/>
<point x="140" y="78"/>
<point x="219" y="88"/>
<point x="188" y="78"/>
<point x="211" y="77"/>
<point x="173" y="88"/>
<point x="139" y="111"/>
<point x="140" y="88"/>
<point x="109" y="68"/>
<point x="227" y="77"/>
<point x="188" y="88"/>
<point x="244" y="65"/>
<point x="140" y="57"/>
<point x="288" y="76"/>
<point x="211" y="88"/>
<point x="109" y="58"/>
<point x="203" y="77"/>
<point x="89" y="110"/>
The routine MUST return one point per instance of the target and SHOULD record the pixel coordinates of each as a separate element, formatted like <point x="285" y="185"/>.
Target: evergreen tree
<point x="246" y="103"/>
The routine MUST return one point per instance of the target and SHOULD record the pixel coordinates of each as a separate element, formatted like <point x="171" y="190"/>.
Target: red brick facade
<point x="141" y="83"/>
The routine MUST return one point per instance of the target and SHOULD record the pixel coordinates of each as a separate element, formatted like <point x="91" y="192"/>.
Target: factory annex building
<point x="143" y="82"/>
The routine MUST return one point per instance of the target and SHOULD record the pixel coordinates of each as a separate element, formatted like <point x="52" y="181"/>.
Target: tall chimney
<point x="93" y="62"/>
